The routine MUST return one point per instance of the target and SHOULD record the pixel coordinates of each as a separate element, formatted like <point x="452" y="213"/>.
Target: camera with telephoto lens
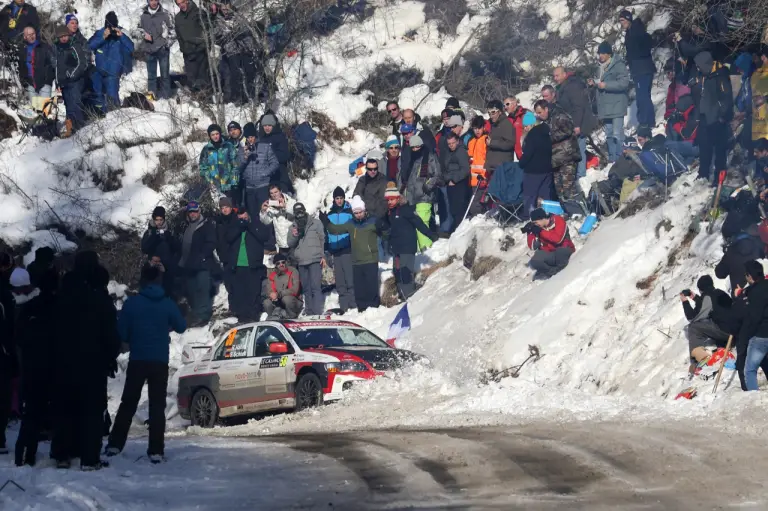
<point x="686" y="292"/>
<point x="527" y="228"/>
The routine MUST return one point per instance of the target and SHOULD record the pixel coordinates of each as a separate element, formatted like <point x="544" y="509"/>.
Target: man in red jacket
<point x="548" y="236"/>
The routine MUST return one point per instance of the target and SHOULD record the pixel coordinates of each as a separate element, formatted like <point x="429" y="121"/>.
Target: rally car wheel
<point x="309" y="392"/>
<point x="204" y="410"/>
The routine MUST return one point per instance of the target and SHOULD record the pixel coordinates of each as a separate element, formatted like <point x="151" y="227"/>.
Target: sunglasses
<point x="371" y="169"/>
<point x="281" y="263"/>
<point x="508" y="104"/>
<point x="494" y="111"/>
<point x="390" y="110"/>
<point x="393" y="147"/>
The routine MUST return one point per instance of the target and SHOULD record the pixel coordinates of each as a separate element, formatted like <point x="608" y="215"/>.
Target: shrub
<point x="374" y="121"/>
<point x="108" y="179"/>
<point x="169" y="165"/>
<point x="483" y="265"/>
<point x="388" y="79"/>
<point x="327" y="130"/>
<point x="447" y="13"/>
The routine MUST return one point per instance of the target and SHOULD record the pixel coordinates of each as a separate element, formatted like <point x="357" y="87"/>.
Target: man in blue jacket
<point x="340" y="246"/>
<point x="114" y="58"/>
<point x="143" y="324"/>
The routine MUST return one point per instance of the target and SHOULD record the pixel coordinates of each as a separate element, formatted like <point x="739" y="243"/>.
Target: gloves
<point x="434" y="236"/>
<point x="324" y="217"/>
<point x="531" y="228"/>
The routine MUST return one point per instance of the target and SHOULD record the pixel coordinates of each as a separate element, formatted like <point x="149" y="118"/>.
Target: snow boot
<point x="67" y="129"/>
<point x="156" y="458"/>
<point x="63" y="464"/>
<point x="111" y="451"/>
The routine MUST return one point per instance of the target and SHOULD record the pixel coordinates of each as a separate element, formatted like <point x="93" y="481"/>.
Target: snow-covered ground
<point x="609" y="327"/>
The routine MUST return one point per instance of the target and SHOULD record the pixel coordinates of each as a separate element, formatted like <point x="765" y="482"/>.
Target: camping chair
<point x="39" y="118"/>
<point x="505" y="192"/>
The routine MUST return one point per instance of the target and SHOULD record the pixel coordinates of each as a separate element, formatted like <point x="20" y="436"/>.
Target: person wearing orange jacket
<point x="548" y="235"/>
<point x="476" y="148"/>
<point x="515" y="114"/>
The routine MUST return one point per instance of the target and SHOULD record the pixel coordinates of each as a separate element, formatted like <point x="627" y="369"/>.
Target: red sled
<point x="688" y="393"/>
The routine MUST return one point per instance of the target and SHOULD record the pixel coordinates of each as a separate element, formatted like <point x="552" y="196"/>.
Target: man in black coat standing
<point x="641" y="67"/>
<point x="573" y="97"/>
<point x="193" y="30"/>
<point x="9" y="367"/>
<point x="241" y="250"/>
<point x="85" y="356"/>
<point x="270" y="132"/>
<point x="161" y="247"/>
<point x="197" y="262"/>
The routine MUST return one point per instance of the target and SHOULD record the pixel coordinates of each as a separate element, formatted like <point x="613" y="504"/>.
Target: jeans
<point x="646" y="116"/>
<point x="198" y="287"/>
<point x="614" y="135"/>
<point x="107" y="90"/>
<point x="687" y="150"/>
<point x="345" y="281"/>
<point x="444" y="211"/>
<point x="311" y="276"/>
<point x="756" y="352"/>
<point x="161" y="58"/>
<point x="581" y="169"/>
<point x="73" y="101"/>
<point x="44" y="92"/>
<point x="156" y="376"/>
<point x="713" y="144"/>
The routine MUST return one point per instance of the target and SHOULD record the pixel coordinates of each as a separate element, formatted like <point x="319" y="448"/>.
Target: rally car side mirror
<point x="278" y="347"/>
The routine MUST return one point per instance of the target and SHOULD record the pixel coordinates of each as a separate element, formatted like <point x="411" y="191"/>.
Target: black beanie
<point x="605" y="48"/>
<point x="299" y="209"/>
<point x="625" y="14"/>
<point x="158" y="212"/>
<point x="111" y="20"/>
<point x="339" y="192"/>
<point x="249" y="130"/>
<point x="278" y="258"/>
<point x="538" y="214"/>
<point x="754" y="269"/>
<point x="705" y="284"/>
<point x="233" y="125"/>
<point x="214" y="127"/>
<point x="452" y="103"/>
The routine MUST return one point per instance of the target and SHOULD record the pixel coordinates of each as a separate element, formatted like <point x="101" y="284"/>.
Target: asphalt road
<point x="581" y="466"/>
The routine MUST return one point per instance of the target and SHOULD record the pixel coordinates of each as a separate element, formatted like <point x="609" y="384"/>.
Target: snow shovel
<point x="722" y="363"/>
<point x="715" y="211"/>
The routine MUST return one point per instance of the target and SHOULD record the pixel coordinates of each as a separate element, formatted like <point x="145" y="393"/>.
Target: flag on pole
<point x="400" y="325"/>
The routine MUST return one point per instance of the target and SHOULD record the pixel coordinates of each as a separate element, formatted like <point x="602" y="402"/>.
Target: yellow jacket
<point x="760" y="122"/>
<point x="759" y="81"/>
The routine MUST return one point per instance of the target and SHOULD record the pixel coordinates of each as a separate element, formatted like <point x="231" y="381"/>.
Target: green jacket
<point x="364" y="235"/>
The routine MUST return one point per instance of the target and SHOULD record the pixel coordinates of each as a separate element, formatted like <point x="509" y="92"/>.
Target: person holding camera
<point x="258" y="167"/>
<point x="155" y="24"/>
<point x="114" y="58"/>
<point x="710" y="319"/>
<point x="548" y="235"/>
<point x="278" y="212"/>
<point x="307" y="240"/>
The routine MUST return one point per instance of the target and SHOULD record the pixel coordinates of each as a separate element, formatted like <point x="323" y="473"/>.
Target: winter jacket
<point x="72" y="62"/>
<point x="197" y="255"/>
<point x="613" y="100"/>
<point x="161" y="243"/>
<point x="396" y="127"/>
<point x="716" y="306"/>
<point x="281" y="219"/>
<point x="502" y="146"/>
<point x="421" y="178"/>
<point x="231" y="232"/>
<point x="259" y="167"/>
<point x="760" y="122"/>
<point x="35" y="336"/>
<point x="675" y="91"/>
<point x="41" y="59"/>
<point x="190" y="30"/>
<point x="456" y="165"/>
<point x="573" y="97"/>
<point x="365" y="239"/>
<point x="284" y="284"/>
<point x="537" y="151"/>
<point x="113" y="55"/>
<point x="430" y="143"/>
<point x="12" y="23"/>
<point x="218" y="165"/>
<point x="157" y="25"/>
<point x="638" y="44"/>
<point x="145" y="321"/>
<point x="309" y="246"/>
<point x="713" y="95"/>
<point x="744" y="96"/>
<point x="516" y="118"/>
<point x="279" y="142"/>
<point x="742" y="249"/>
<point x="88" y="342"/>
<point x="9" y="362"/>
<point x="756" y="317"/>
<point x="401" y="224"/>
<point x="384" y="169"/>
<point x="551" y="238"/>
<point x="759" y="81"/>
<point x="339" y="244"/>
<point x="565" y="147"/>
<point x="371" y="190"/>
<point x="476" y="150"/>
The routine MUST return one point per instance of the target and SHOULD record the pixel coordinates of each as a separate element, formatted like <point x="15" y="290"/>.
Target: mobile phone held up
<point x="274" y="203"/>
<point x="686" y="292"/>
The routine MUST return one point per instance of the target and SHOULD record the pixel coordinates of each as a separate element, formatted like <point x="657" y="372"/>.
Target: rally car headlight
<point x="346" y="367"/>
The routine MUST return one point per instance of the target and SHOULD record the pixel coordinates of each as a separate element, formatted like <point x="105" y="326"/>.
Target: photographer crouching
<point x="548" y="235"/>
<point x="710" y="319"/>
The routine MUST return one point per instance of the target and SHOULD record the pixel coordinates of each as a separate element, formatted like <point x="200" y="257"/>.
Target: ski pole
<point x="471" y="200"/>
<point x="722" y="363"/>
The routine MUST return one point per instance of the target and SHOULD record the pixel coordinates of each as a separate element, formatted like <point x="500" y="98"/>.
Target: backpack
<point x="683" y="123"/>
<point x="304" y="138"/>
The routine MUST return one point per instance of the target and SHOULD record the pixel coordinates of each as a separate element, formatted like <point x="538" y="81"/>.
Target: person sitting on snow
<point x="281" y="290"/>
<point x="710" y="320"/>
<point x="548" y="235"/>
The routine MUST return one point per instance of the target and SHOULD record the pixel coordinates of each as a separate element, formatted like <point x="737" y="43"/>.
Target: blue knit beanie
<point x="69" y="17"/>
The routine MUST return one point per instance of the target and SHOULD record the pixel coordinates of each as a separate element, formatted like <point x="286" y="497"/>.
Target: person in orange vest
<point x="476" y="149"/>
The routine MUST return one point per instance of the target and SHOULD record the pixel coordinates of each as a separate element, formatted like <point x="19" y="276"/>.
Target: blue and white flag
<point x="400" y="325"/>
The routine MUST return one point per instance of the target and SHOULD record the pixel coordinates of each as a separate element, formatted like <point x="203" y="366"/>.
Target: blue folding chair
<point x="505" y="192"/>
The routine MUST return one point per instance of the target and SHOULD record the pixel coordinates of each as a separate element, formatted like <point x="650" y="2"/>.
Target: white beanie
<point x="20" y="278"/>
<point x="357" y="203"/>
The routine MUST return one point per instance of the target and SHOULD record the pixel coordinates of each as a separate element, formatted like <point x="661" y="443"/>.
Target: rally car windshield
<point x="327" y="337"/>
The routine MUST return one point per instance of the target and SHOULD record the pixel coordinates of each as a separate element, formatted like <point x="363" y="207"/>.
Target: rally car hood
<point x="381" y="359"/>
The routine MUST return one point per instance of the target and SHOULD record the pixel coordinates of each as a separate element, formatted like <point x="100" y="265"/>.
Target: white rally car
<point x="273" y="365"/>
